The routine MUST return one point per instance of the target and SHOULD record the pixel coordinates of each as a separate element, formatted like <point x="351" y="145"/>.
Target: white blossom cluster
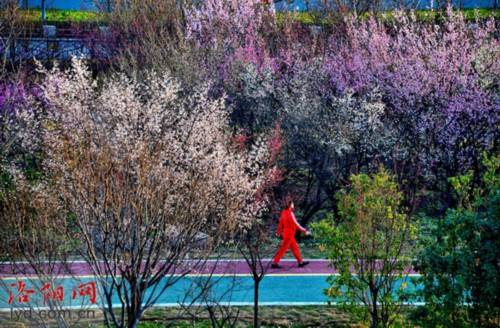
<point x="342" y="124"/>
<point x="315" y="117"/>
<point x="141" y="148"/>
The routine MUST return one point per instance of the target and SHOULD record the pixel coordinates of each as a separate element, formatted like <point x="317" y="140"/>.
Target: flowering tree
<point x="233" y="34"/>
<point x="33" y="236"/>
<point x="223" y="31"/>
<point x="253" y="243"/>
<point x="437" y="82"/>
<point x="147" y="178"/>
<point x="19" y="124"/>
<point x="326" y="137"/>
<point x="19" y="131"/>
<point x="226" y="21"/>
<point x="329" y="137"/>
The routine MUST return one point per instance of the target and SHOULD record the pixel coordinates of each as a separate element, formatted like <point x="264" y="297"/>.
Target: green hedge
<point x="311" y="18"/>
<point x="63" y="17"/>
<point x="78" y="17"/>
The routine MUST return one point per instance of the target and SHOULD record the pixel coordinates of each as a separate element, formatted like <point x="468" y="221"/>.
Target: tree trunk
<point x="256" y="303"/>
<point x="134" y="310"/>
<point x="374" y="310"/>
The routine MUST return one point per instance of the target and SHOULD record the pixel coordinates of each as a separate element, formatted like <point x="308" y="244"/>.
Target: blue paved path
<point x="287" y="286"/>
<point x="275" y="290"/>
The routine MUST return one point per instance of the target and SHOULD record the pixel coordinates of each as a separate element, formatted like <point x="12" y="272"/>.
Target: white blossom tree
<point x="148" y="177"/>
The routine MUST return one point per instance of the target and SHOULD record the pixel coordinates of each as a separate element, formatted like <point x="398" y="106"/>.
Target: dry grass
<point x="271" y="316"/>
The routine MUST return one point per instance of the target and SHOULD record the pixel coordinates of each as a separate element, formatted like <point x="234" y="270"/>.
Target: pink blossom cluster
<point x="438" y="81"/>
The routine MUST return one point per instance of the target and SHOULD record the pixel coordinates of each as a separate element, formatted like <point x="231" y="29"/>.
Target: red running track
<point x="221" y="267"/>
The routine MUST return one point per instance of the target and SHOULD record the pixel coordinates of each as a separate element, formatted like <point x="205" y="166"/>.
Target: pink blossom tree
<point x="438" y="82"/>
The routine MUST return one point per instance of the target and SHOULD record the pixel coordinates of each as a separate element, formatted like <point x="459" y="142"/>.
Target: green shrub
<point x="366" y="248"/>
<point x="460" y="257"/>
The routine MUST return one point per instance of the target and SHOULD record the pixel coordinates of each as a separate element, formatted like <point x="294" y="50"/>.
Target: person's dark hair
<point x="289" y="203"/>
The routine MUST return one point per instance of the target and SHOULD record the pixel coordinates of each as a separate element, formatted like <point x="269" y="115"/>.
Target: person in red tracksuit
<point x="287" y="228"/>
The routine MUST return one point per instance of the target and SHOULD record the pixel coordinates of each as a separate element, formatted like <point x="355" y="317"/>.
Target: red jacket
<point x="288" y="225"/>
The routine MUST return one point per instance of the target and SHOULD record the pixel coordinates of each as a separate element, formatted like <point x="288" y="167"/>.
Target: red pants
<point x="287" y="243"/>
